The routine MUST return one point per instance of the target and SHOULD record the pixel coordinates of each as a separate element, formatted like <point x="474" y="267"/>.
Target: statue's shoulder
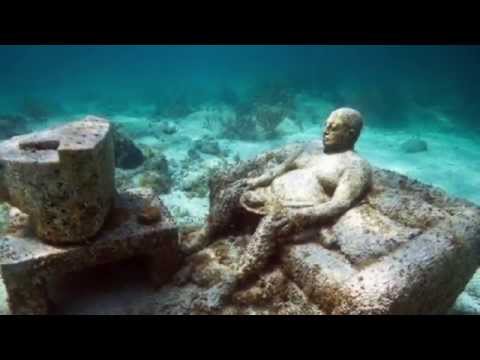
<point x="359" y="162"/>
<point x="357" y="157"/>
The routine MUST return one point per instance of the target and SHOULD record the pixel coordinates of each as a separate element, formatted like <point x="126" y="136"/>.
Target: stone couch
<point x="406" y="248"/>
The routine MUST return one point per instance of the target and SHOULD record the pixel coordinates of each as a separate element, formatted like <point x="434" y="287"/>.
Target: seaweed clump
<point x="269" y="117"/>
<point x="264" y="109"/>
<point x="271" y="104"/>
<point x="240" y="126"/>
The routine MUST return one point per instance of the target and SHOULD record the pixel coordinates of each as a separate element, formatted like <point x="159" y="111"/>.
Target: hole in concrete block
<point x="40" y="145"/>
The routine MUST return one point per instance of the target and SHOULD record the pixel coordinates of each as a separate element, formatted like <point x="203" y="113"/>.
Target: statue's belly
<point x="298" y="188"/>
<point x="328" y="170"/>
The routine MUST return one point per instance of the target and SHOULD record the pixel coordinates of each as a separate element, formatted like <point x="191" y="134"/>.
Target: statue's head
<point x="342" y="130"/>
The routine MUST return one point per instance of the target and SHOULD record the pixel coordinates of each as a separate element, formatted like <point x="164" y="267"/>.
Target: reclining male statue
<point x="314" y="229"/>
<point x="300" y="192"/>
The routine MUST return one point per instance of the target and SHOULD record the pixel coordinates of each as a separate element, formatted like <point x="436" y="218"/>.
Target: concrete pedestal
<point x="27" y="264"/>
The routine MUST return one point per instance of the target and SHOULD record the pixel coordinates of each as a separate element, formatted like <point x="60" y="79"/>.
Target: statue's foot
<point x="192" y="242"/>
<point x="215" y="297"/>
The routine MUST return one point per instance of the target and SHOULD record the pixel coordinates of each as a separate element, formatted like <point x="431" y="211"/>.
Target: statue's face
<point x="338" y="134"/>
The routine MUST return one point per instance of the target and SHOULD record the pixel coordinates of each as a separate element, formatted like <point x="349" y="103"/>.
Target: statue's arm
<point x="266" y="178"/>
<point x="352" y="186"/>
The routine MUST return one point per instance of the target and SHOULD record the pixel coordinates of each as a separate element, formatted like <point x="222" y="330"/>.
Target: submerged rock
<point x="156" y="174"/>
<point x="208" y="145"/>
<point x="414" y="146"/>
<point x="63" y="178"/>
<point x="159" y="182"/>
<point x="158" y="163"/>
<point x="127" y="154"/>
<point x="193" y="155"/>
<point x="168" y="128"/>
<point x="196" y="185"/>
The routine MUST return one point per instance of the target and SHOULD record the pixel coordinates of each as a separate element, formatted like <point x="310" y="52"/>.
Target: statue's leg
<point x="258" y="250"/>
<point x="260" y="247"/>
<point x="193" y="241"/>
<point x="220" y="218"/>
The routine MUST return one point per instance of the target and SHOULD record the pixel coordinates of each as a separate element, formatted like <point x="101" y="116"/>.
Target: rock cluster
<point x="208" y="145"/>
<point x="414" y="146"/>
<point x="127" y="154"/>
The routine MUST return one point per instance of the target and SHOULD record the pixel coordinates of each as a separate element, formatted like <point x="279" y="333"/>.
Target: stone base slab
<point x="27" y="264"/>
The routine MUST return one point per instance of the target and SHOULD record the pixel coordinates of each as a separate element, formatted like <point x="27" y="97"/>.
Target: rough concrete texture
<point x="190" y="293"/>
<point x="27" y="265"/>
<point x="63" y="178"/>
<point x="406" y="248"/>
<point x="469" y="301"/>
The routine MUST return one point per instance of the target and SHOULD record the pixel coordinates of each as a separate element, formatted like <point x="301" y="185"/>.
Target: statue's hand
<point x="297" y="215"/>
<point x="256" y="182"/>
<point x="290" y="221"/>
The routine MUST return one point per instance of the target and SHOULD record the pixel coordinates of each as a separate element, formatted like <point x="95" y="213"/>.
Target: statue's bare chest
<point x="300" y="186"/>
<point x="328" y="168"/>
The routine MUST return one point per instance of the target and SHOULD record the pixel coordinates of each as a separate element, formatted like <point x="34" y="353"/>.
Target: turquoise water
<point x="403" y="91"/>
<point x="386" y="82"/>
